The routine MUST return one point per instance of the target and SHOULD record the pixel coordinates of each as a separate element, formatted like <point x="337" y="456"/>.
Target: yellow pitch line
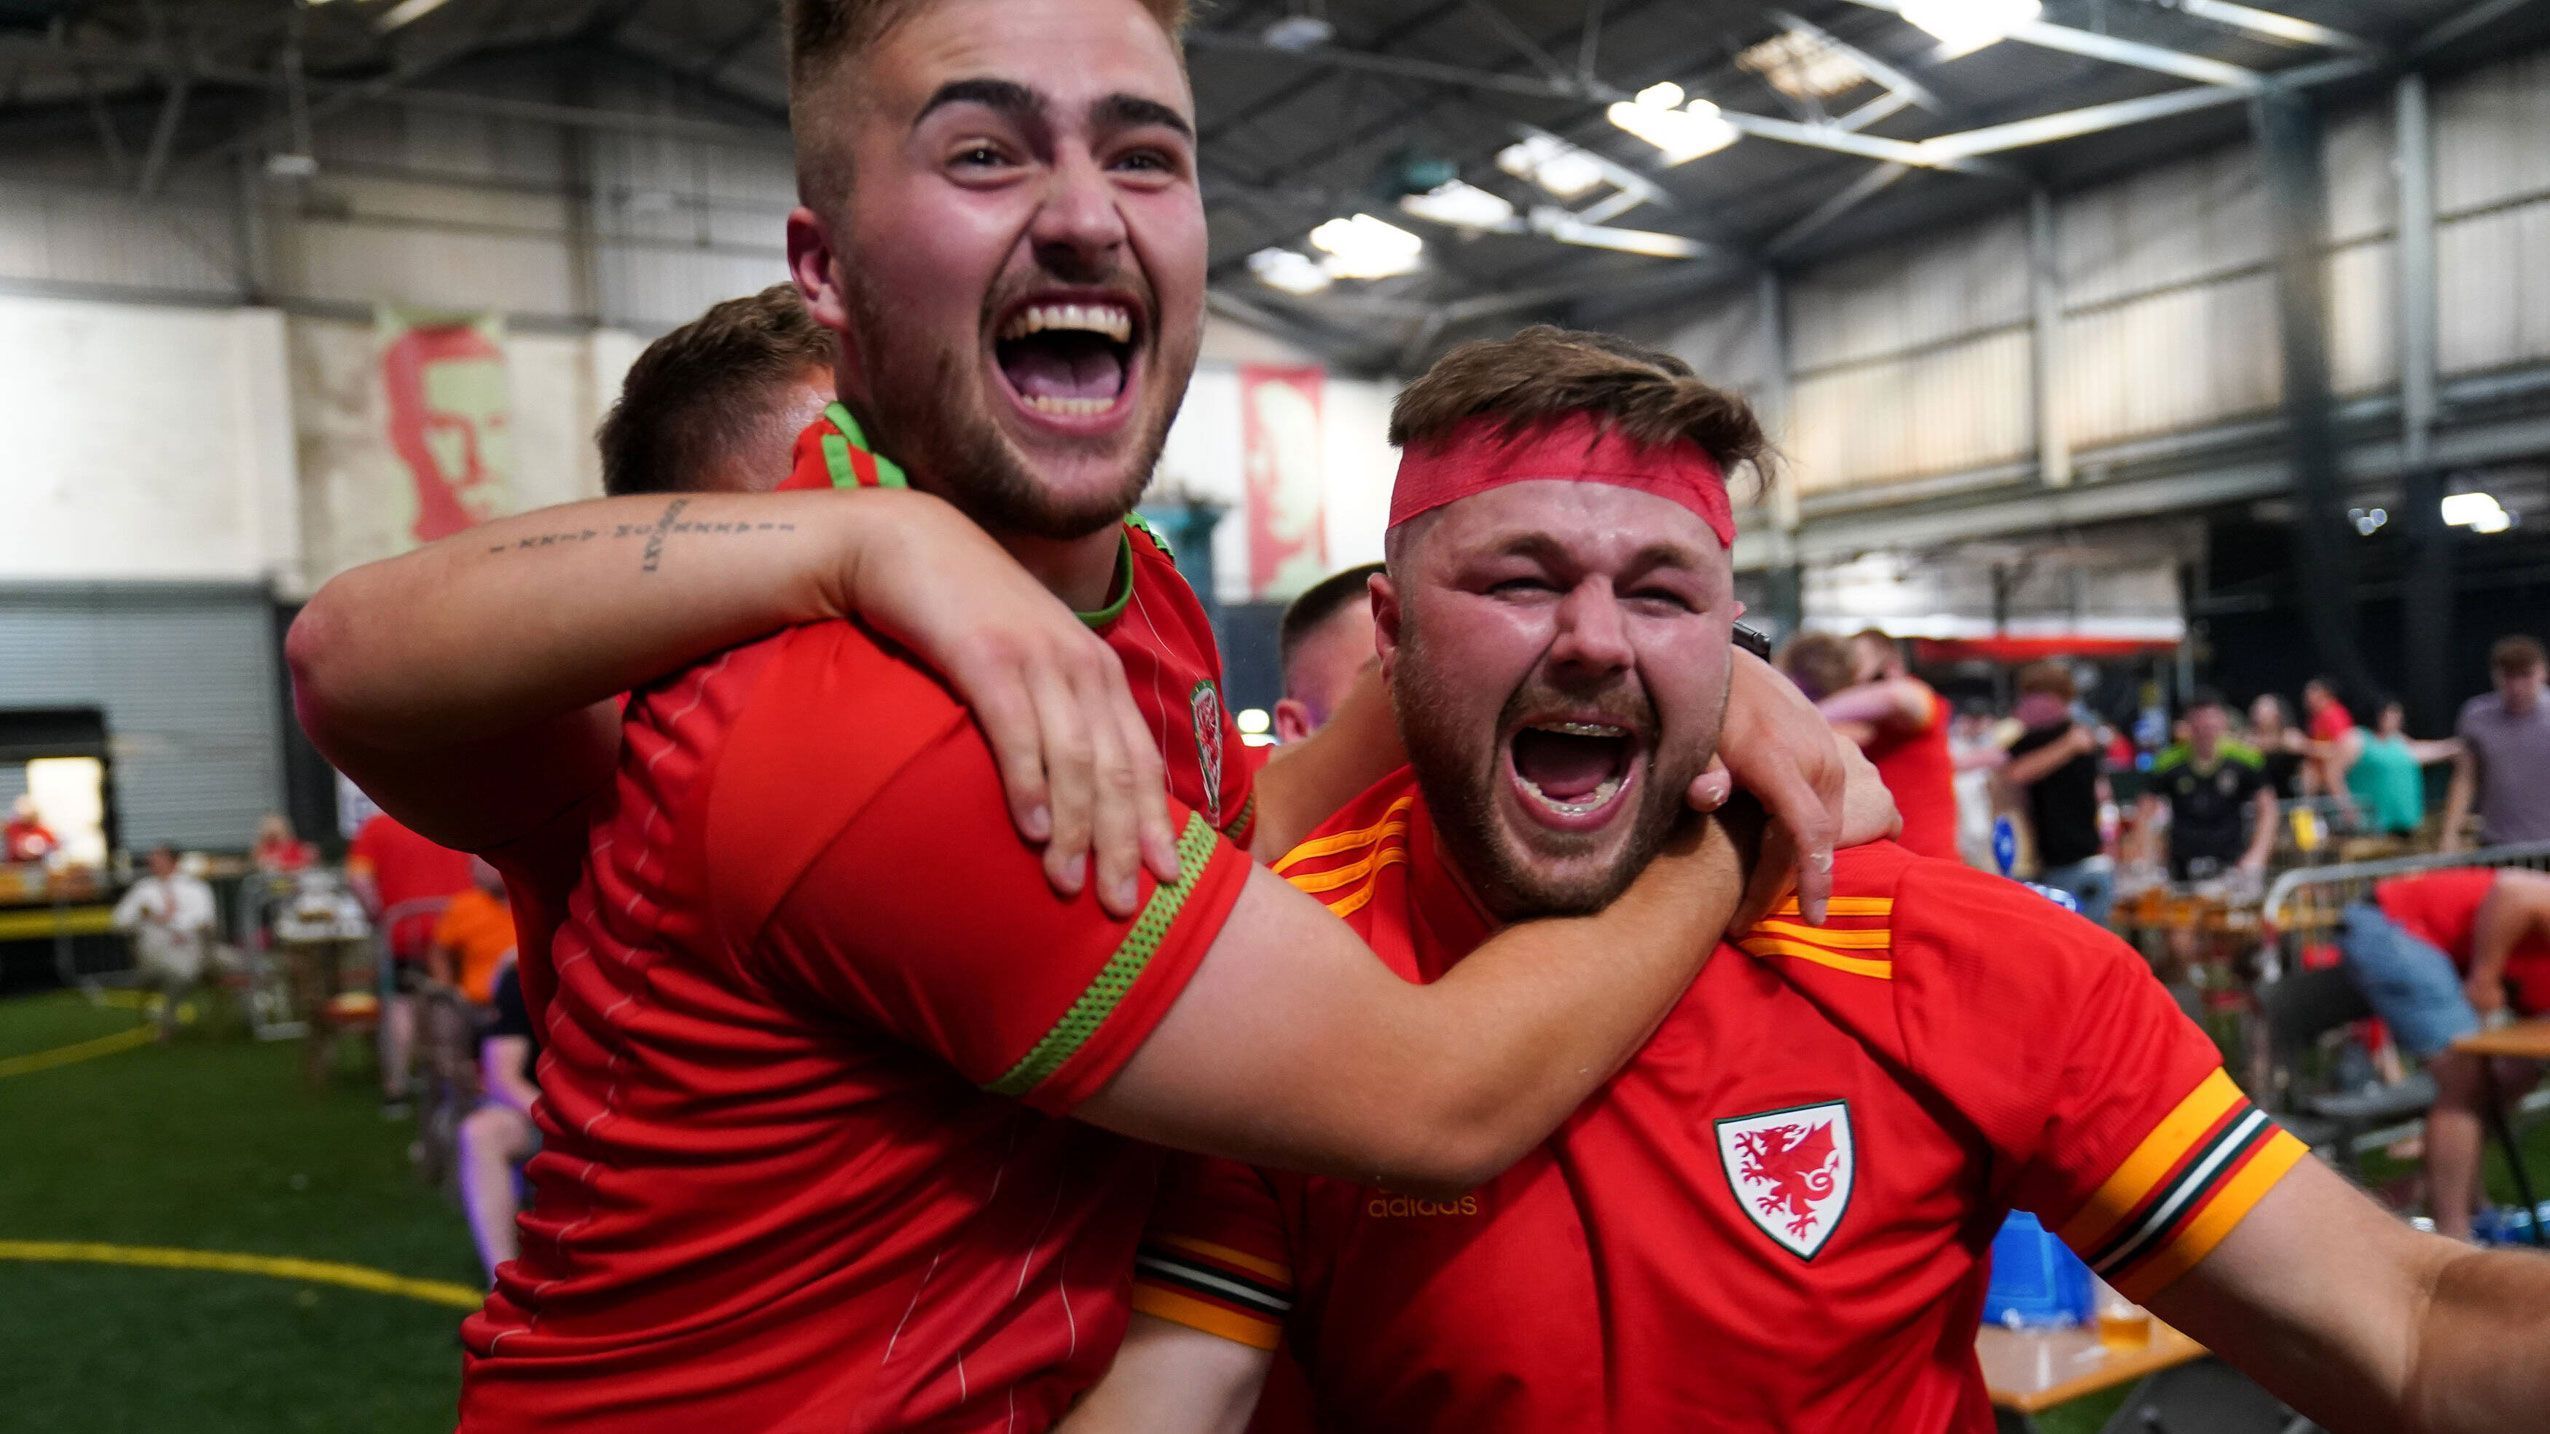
<point x="73" y="1054"/>
<point x="279" y="1267"/>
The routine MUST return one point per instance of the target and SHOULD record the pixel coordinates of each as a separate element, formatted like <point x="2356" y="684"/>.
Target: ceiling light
<point x="1683" y="134"/>
<point x="408" y="12"/>
<point x="1298" y="33"/>
<point x="1289" y="270"/>
<point x="1253" y="720"/>
<point x="1803" y="66"/>
<point x="1662" y="95"/>
<point x="1553" y="164"/>
<point x="1463" y="206"/>
<point x="1567" y="229"/>
<point x="2474" y="511"/>
<point x="1367" y="248"/>
<point x="1965" y="26"/>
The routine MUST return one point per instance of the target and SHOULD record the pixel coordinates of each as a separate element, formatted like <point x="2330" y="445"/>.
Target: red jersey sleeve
<point x="2107" y="1110"/>
<point x="1217" y="1255"/>
<point x="927" y="916"/>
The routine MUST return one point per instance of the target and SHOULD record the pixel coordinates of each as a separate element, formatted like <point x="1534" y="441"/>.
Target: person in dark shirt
<point x="2280" y="744"/>
<point x="497" y="1137"/>
<point x="2222" y="817"/>
<point x="2054" y="764"/>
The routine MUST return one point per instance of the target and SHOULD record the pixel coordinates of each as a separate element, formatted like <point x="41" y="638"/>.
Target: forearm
<point x="1169" y="1379"/>
<point x="2036" y="766"/>
<point x="1307" y="781"/>
<point x="2457" y="799"/>
<point x="533" y="617"/>
<point x="1874" y="704"/>
<point x="2262" y="831"/>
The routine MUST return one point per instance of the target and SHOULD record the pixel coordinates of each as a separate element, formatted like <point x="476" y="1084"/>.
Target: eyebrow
<point x="1131" y="111"/>
<point x="1007" y="96"/>
<point x="1542" y="548"/>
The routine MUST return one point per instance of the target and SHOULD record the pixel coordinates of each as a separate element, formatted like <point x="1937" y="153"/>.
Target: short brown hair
<point x="2515" y="655"/>
<point x="698" y="393"/>
<point x="1819" y="663"/>
<point x="2048" y="679"/>
<point x="1645" y="394"/>
<point x="821" y="33"/>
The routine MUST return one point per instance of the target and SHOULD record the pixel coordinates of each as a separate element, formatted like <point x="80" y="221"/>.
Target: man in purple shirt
<point x="2505" y="760"/>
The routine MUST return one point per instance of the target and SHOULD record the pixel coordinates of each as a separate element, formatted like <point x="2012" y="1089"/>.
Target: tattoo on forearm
<point x="653" y="533"/>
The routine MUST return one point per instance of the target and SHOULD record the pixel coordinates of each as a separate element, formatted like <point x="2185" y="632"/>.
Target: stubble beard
<point x="1459" y="788"/>
<point x="953" y="449"/>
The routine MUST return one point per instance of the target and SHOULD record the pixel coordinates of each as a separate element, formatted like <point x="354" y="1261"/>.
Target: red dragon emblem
<point x="1791" y="1171"/>
<point x="1795" y="1161"/>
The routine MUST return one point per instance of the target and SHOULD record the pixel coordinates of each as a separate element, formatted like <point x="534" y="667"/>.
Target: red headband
<point x="1578" y="448"/>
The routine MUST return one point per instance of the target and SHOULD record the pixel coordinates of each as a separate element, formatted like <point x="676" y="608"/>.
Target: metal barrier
<point x="2310" y="902"/>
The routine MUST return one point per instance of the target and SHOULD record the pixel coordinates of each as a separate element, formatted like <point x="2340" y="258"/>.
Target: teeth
<point x="1583" y="729"/>
<point x="1594" y="801"/>
<point x="1113" y="321"/>
<point x="1071" y="407"/>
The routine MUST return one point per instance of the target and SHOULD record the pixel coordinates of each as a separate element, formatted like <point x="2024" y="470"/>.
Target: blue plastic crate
<point x="2037" y="1282"/>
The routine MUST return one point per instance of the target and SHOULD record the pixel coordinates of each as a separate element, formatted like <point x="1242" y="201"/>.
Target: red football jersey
<point x="405" y="867"/>
<point x="2441" y="908"/>
<point x="1921" y="774"/>
<point x="1778" y="1215"/>
<point x="812" y="1020"/>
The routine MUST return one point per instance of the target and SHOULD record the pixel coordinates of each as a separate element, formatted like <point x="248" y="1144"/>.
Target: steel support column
<point x="1786" y="595"/>
<point x="2426" y="610"/>
<point x="2045" y="348"/>
<point x="2289" y="145"/>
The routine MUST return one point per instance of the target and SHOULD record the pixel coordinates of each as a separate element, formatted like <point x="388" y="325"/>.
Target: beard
<point x="1527" y="873"/>
<point x="930" y="408"/>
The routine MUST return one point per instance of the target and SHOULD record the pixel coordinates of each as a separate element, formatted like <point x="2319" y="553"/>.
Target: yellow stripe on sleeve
<point x="1213" y="1319"/>
<point x="1878" y="940"/>
<point x="1347" y="841"/>
<point x="1352" y="872"/>
<point x="1844" y="906"/>
<point x="1855" y="965"/>
<point x="1238" y="1259"/>
<point x="2230" y="1205"/>
<point x="2135" y="1178"/>
<point x="1361" y="896"/>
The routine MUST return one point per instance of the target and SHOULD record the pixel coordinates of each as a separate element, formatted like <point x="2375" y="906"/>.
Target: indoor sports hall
<point x="672" y="673"/>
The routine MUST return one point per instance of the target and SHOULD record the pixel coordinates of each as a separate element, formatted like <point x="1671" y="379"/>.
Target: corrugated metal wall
<point x="2492" y="183"/>
<point x="186" y="677"/>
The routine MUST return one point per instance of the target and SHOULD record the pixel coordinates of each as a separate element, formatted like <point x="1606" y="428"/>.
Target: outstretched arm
<point x="1899" y="703"/>
<point x="2365" y="1324"/>
<point x="468" y="686"/>
<point x="1170" y="1379"/>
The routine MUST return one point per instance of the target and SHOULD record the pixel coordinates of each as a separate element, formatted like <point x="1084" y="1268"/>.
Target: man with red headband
<point x="1777" y="1215"/>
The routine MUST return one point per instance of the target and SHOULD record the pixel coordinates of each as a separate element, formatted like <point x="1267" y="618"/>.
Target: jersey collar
<point x="834" y="452"/>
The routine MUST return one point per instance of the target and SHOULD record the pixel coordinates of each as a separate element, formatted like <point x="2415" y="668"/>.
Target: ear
<point x="1385" y="622"/>
<point x="817" y="271"/>
<point x="1292" y="720"/>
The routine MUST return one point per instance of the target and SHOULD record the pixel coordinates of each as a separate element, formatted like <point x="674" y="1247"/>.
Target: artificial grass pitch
<point x="213" y="1143"/>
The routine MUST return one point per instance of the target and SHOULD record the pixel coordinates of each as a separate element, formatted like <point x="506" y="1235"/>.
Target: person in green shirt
<point x="2387" y="777"/>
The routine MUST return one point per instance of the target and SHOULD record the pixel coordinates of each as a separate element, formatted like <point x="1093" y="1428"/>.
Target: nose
<point x="1078" y="233"/>
<point x="1593" y="636"/>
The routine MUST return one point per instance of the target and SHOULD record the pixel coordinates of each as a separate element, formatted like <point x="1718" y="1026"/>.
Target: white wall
<point x="144" y="443"/>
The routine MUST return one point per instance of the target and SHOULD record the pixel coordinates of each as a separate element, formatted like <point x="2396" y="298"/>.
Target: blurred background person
<point x="2055" y="771"/>
<point x="2388" y="776"/>
<point x="2281" y="745"/>
<point x="2208" y="813"/>
<point x="278" y="850"/>
<point x="1862" y="688"/>
<point x="1324" y="643"/>
<point x="389" y="868"/>
<point x="474" y="936"/>
<point x="2331" y="728"/>
<point x="171" y="916"/>
<point x="27" y="838"/>
<point x="2436" y="955"/>
<point x="499" y="1135"/>
<point x="715" y="405"/>
<point x="2503" y="773"/>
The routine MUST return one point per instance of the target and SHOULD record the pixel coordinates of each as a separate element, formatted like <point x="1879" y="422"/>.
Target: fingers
<point x="1801" y="816"/>
<point x="1003" y="706"/>
<point x="1150" y="796"/>
<point x="1115" y="827"/>
<point x="1769" y="879"/>
<point x="1710" y="790"/>
<point x="1070" y="768"/>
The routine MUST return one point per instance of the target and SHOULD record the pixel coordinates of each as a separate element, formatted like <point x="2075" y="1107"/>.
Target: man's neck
<point x="1080" y="571"/>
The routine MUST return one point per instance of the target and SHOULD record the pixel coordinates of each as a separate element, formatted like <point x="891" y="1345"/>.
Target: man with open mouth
<point x="812" y="1015"/>
<point x="1778" y="1214"/>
